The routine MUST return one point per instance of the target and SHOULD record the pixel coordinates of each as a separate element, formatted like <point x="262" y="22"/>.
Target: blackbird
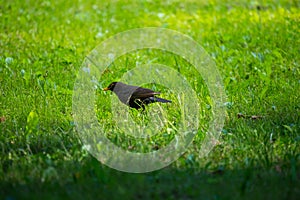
<point x="134" y="96"/>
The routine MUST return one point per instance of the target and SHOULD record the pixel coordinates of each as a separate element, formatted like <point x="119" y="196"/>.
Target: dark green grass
<point x="255" y="46"/>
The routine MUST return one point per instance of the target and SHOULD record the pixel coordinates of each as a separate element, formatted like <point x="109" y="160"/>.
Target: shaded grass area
<point x="255" y="46"/>
<point x="86" y="179"/>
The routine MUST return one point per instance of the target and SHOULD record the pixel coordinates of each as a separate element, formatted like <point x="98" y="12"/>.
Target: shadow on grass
<point x="88" y="179"/>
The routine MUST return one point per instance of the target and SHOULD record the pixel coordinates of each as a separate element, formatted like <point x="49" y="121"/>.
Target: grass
<point x="255" y="46"/>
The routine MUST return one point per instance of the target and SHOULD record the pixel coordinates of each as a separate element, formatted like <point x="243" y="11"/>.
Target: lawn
<point x="255" y="47"/>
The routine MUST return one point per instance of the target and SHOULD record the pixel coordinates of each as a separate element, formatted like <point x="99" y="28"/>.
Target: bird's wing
<point x="143" y="93"/>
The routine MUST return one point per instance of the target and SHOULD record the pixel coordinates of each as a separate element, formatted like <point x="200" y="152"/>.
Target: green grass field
<point x="256" y="48"/>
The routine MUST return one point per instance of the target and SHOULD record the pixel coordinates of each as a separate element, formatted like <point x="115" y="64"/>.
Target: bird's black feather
<point x="134" y="96"/>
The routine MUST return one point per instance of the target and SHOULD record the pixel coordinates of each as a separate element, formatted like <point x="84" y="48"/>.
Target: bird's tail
<point x="156" y="99"/>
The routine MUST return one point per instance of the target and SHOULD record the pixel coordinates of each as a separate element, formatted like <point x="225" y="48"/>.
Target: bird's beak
<point x="105" y="89"/>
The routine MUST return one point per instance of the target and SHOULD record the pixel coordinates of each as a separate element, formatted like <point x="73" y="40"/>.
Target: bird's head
<point x="110" y="87"/>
